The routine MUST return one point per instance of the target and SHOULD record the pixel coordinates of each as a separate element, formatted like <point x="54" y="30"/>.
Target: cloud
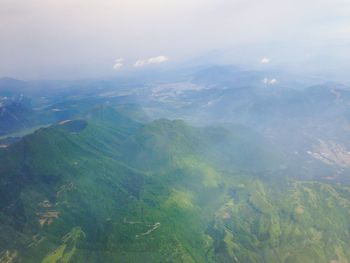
<point x="268" y="81"/>
<point x="118" y="64"/>
<point x="154" y="60"/>
<point x="273" y="81"/>
<point x="265" y="60"/>
<point x="249" y="29"/>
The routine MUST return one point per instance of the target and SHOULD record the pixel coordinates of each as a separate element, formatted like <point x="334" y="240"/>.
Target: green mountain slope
<point x="108" y="189"/>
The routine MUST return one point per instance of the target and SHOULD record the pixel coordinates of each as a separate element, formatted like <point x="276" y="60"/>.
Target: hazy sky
<point x="97" y="38"/>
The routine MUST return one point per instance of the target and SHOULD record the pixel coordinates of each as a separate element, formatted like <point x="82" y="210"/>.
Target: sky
<point x="65" y="39"/>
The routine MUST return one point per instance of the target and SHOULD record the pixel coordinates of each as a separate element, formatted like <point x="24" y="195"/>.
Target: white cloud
<point x="265" y="60"/>
<point x="273" y="81"/>
<point x="140" y="63"/>
<point x="118" y="64"/>
<point x="154" y="60"/>
<point x="268" y="81"/>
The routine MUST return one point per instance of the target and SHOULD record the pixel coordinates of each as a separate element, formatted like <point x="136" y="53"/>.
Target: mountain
<point x="13" y="115"/>
<point x="106" y="188"/>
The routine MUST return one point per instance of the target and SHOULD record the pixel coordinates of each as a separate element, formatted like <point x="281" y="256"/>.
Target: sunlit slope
<point x="283" y="221"/>
<point x="108" y="189"/>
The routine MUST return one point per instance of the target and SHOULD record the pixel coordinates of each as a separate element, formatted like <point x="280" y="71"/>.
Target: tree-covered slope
<point x="108" y="189"/>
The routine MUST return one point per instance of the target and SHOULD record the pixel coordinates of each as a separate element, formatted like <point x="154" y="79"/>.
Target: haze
<point x="95" y="39"/>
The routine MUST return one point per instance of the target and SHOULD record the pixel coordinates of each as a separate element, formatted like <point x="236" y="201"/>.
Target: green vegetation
<point x="109" y="189"/>
<point x="66" y="251"/>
